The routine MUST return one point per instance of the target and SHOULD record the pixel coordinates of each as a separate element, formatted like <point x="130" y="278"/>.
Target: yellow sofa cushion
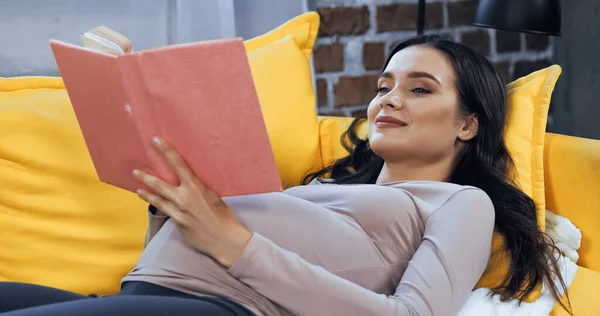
<point x="280" y="63"/>
<point x="528" y="102"/>
<point x="572" y="178"/>
<point x="583" y="294"/>
<point x="61" y="227"/>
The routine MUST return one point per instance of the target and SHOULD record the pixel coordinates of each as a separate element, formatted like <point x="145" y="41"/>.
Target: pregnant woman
<point x="402" y="226"/>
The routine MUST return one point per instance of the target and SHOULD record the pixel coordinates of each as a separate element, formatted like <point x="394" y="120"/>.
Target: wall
<point x="27" y="25"/>
<point x="356" y="35"/>
<point x="576" y="104"/>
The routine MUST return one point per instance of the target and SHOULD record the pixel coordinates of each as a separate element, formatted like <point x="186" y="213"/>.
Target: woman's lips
<point x="389" y="122"/>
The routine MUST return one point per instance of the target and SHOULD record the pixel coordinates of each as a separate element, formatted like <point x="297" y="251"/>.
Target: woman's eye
<point x="383" y="90"/>
<point x="420" y="91"/>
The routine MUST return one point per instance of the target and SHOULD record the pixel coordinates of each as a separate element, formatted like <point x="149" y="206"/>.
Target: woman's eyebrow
<point x="422" y="74"/>
<point x="414" y="74"/>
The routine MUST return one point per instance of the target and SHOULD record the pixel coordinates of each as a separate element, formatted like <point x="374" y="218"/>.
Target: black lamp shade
<point x="531" y="16"/>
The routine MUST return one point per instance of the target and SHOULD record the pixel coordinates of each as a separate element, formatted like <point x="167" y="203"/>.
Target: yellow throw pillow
<point x="61" y="227"/>
<point x="280" y="63"/>
<point x="528" y="103"/>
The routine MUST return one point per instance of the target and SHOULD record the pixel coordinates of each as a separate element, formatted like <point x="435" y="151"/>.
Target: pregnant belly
<point x="319" y="235"/>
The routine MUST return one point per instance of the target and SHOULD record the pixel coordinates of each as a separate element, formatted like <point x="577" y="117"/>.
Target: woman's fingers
<point x="175" y="160"/>
<point x="156" y="184"/>
<point x="160" y="203"/>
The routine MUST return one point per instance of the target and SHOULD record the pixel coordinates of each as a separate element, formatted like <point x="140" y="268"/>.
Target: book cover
<point x="198" y="97"/>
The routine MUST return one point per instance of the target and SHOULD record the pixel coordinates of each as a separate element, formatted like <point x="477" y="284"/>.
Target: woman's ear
<point x="470" y="128"/>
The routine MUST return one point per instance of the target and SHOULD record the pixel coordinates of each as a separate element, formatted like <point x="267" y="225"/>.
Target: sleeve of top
<point x="155" y="223"/>
<point x="450" y="260"/>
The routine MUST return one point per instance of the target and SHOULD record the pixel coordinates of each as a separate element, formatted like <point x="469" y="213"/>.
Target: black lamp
<point x="421" y="17"/>
<point x="529" y="16"/>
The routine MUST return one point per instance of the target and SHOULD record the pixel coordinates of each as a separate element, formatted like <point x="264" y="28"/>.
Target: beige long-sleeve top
<point x="404" y="248"/>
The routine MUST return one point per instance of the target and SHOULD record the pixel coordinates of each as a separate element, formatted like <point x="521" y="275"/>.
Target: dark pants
<point x="136" y="298"/>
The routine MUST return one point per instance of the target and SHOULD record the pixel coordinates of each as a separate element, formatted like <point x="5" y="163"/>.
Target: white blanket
<point x="565" y="234"/>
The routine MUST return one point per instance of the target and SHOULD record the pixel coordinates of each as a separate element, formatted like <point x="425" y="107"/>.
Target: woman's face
<point x="415" y="113"/>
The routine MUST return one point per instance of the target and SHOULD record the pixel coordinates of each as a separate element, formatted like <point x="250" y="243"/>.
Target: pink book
<point x="198" y="97"/>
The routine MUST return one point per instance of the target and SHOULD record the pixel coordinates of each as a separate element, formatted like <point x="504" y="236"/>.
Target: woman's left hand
<point x="200" y="215"/>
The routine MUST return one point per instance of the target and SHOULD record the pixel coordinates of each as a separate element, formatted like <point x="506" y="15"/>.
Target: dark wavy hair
<point x="485" y="163"/>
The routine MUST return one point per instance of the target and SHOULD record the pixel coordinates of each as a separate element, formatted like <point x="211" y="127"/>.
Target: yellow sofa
<point x="572" y="181"/>
<point x="81" y="238"/>
<point x="60" y="226"/>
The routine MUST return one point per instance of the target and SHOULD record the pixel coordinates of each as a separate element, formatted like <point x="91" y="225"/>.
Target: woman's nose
<point x="391" y="101"/>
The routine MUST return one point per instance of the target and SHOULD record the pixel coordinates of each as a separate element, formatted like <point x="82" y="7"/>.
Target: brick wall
<point x="356" y="35"/>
